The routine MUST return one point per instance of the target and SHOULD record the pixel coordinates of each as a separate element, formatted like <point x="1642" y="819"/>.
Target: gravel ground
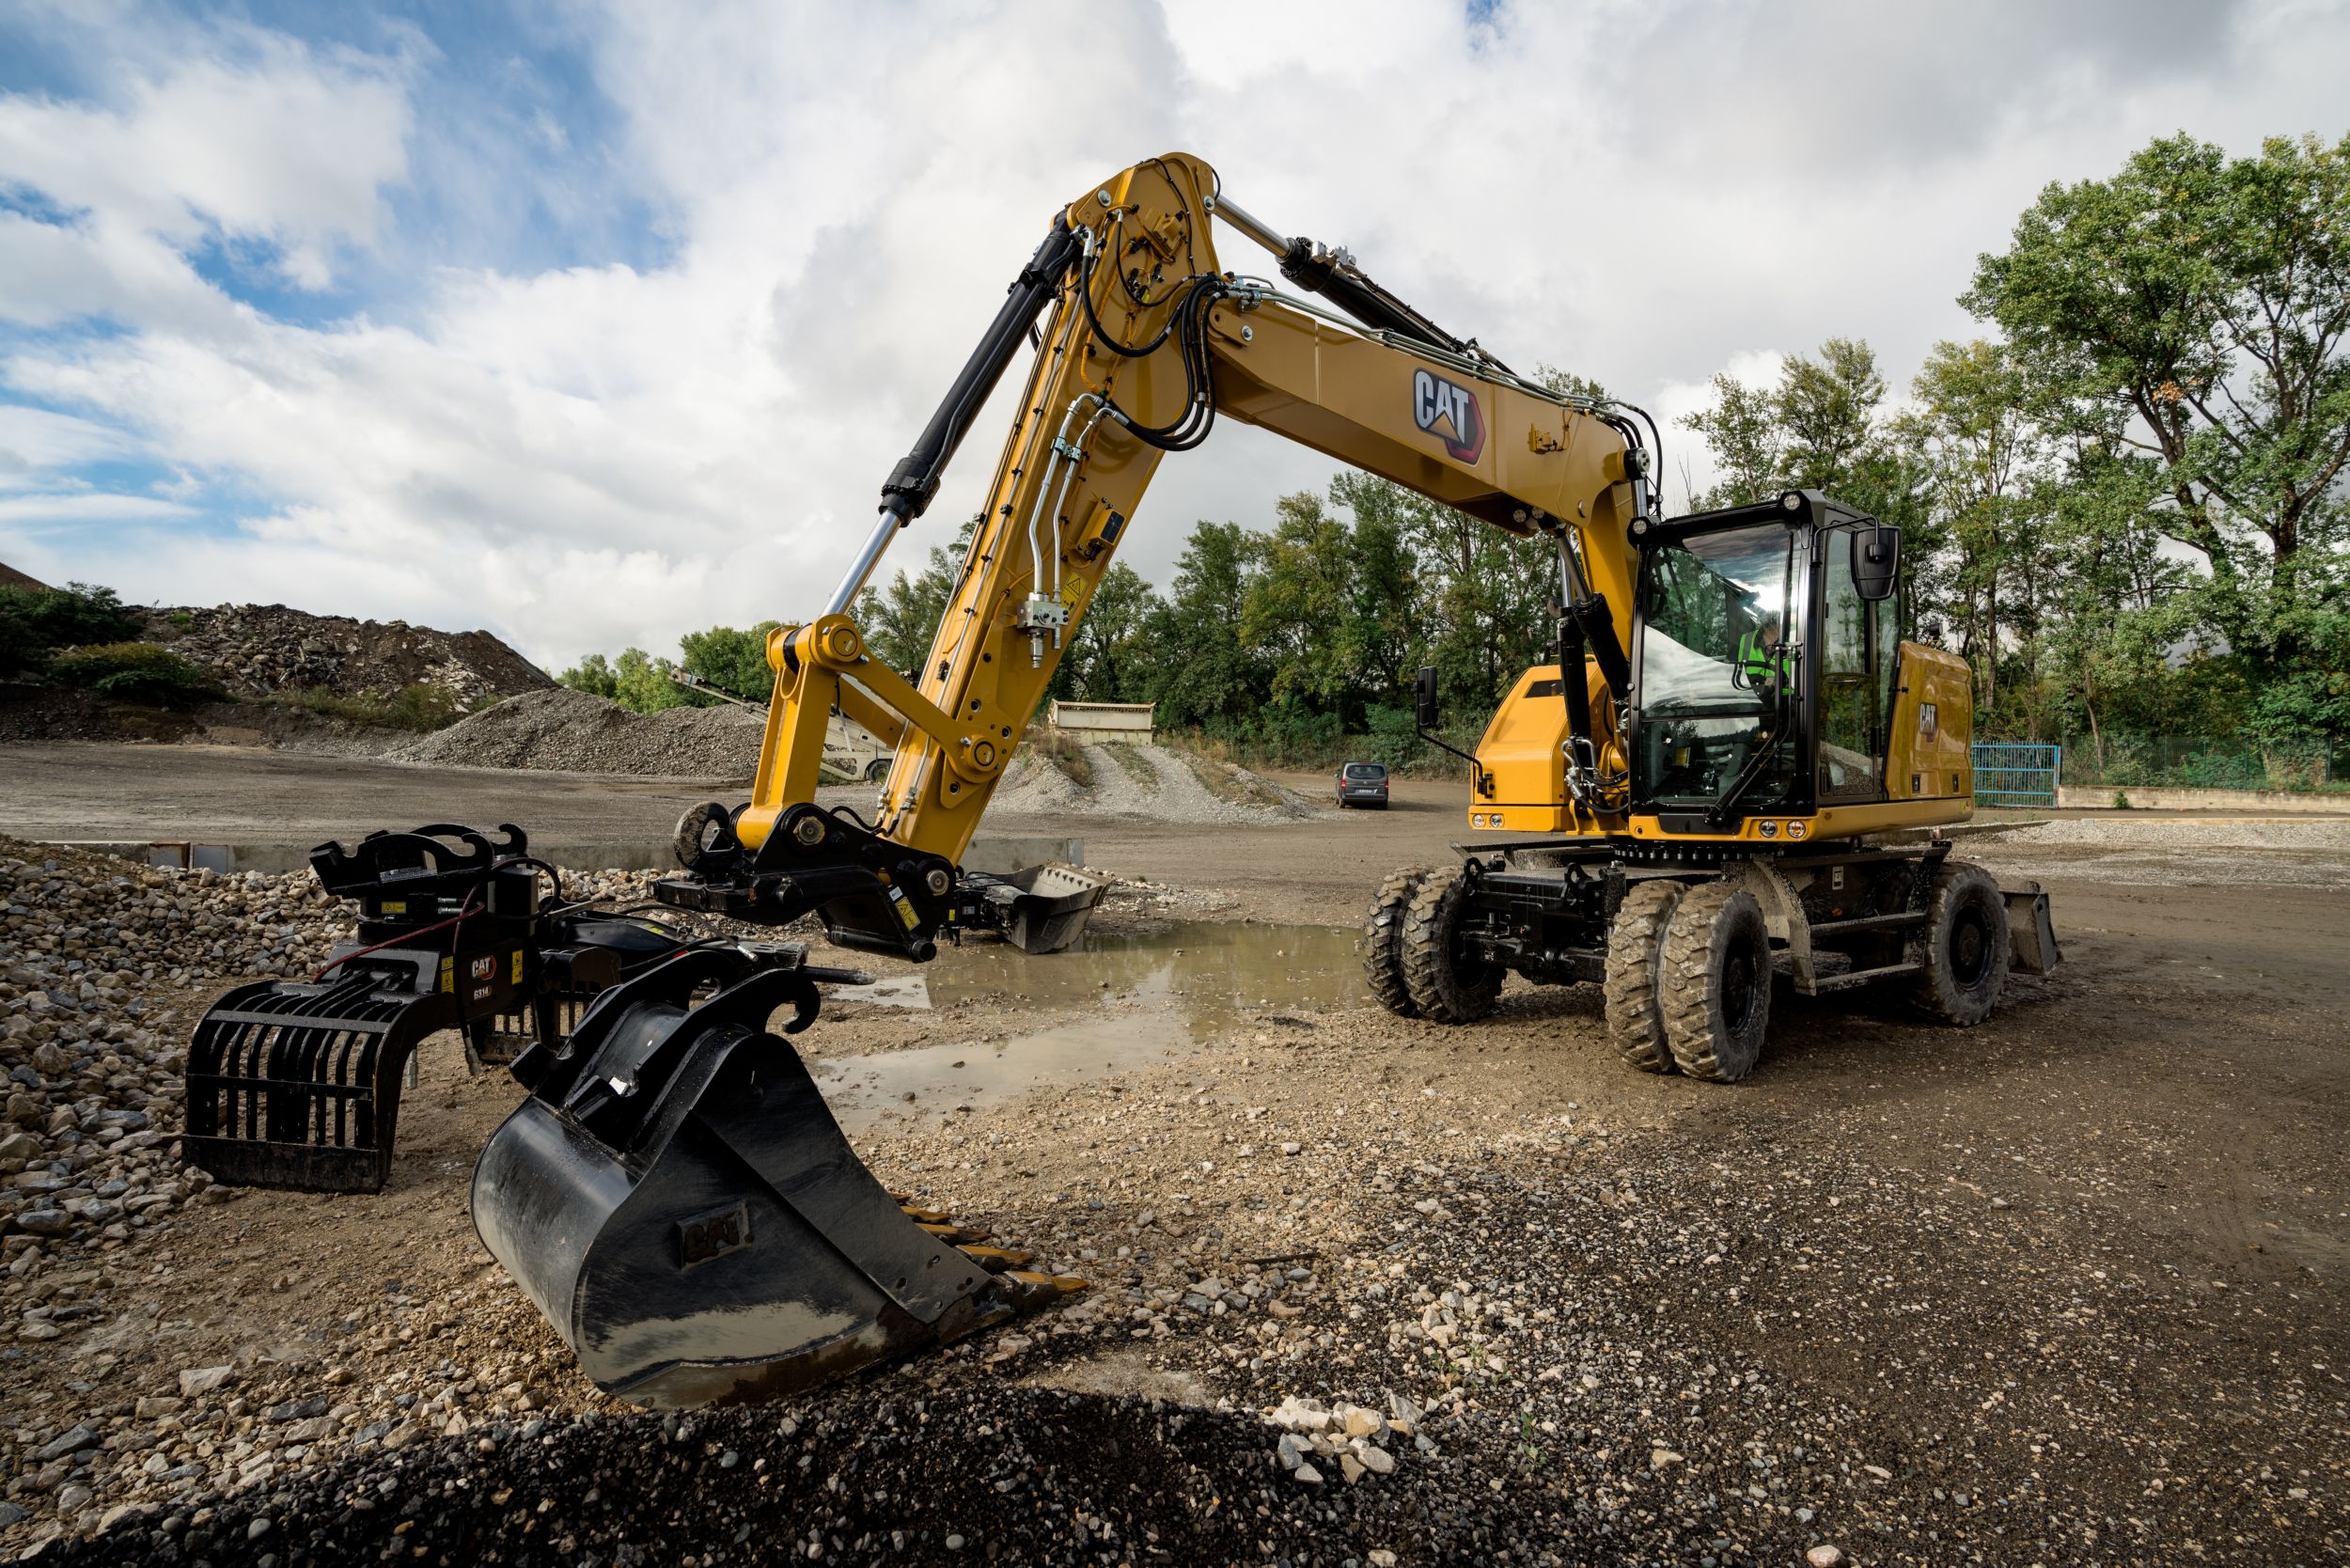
<point x="2064" y="1289"/>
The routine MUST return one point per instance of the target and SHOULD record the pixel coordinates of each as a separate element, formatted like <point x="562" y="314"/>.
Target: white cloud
<point x="595" y="455"/>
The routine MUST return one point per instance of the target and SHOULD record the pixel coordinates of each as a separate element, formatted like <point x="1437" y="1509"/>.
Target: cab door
<point x="1854" y="669"/>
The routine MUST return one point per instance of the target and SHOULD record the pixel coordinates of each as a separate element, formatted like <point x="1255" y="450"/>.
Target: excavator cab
<point x="1768" y="672"/>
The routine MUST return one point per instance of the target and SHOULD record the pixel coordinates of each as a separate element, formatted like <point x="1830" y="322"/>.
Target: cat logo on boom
<point x="1449" y="414"/>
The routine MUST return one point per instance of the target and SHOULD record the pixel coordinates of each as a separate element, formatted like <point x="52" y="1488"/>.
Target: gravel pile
<point x="93" y="1044"/>
<point x="258" y="649"/>
<point x="567" y="731"/>
<point x="1153" y="781"/>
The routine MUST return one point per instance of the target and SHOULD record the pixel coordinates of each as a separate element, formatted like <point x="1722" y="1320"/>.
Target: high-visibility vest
<point x="1754" y="658"/>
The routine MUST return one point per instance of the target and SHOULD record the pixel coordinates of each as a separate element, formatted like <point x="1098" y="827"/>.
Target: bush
<point x="139" y="672"/>
<point x="422" y="707"/>
<point x="34" y="621"/>
<point x="1064" y="752"/>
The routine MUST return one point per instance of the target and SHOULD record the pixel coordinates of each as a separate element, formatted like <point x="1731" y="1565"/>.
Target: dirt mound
<point x="260" y="650"/>
<point x="1130" y="780"/>
<point x="567" y="731"/>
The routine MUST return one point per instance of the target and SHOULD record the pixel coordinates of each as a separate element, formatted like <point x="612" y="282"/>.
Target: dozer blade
<point x="676" y="1198"/>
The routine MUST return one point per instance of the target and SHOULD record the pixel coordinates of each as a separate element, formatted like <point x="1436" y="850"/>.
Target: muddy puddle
<point x="1156" y="997"/>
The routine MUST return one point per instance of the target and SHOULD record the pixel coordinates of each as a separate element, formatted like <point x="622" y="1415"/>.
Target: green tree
<point x="2186" y="318"/>
<point x="640" y="685"/>
<point x="899" y="621"/>
<point x="1988" y="464"/>
<point x="593" y="675"/>
<point x="730" y="658"/>
<point x="1108" y="657"/>
<point x="1203" y="675"/>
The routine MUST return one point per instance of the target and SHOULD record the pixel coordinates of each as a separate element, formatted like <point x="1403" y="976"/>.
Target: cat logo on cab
<point x="1449" y="414"/>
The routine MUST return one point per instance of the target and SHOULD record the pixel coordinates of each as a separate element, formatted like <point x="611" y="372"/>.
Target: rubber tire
<point x="1717" y="982"/>
<point x="1383" y="942"/>
<point x="877" y="770"/>
<point x="1443" y="990"/>
<point x="1964" y="947"/>
<point x="1636" y="943"/>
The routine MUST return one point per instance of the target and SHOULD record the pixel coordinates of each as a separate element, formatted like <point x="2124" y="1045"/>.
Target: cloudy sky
<point x="591" y="324"/>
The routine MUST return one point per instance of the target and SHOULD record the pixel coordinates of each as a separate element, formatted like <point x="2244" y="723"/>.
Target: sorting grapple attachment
<point x="676" y="1198"/>
<point x="297" y="1086"/>
<point x="296" y="1083"/>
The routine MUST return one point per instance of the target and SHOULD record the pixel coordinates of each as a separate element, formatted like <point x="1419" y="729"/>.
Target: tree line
<point x="2124" y="504"/>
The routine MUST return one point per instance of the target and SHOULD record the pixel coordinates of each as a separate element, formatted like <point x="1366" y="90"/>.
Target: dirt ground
<point x="2064" y="1288"/>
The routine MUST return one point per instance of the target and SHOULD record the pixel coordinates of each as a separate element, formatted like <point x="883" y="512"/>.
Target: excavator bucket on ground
<point x="679" y="1202"/>
<point x="1041" y="909"/>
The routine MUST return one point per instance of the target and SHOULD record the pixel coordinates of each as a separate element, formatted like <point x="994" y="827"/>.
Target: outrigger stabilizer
<point x="672" y="1192"/>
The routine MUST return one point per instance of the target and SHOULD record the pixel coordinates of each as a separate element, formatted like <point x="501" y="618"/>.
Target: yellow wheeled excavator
<point x="672" y="1191"/>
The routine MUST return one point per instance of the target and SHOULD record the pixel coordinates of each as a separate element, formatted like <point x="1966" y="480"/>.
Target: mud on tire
<point x="1716" y="985"/>
<point x="1635" y="1008"/>
<point x="1383" y="942"/>
<point x="1964" y="947"/>
<point x="1444" y="987"/>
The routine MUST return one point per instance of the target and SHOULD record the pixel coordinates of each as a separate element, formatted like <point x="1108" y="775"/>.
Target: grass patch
<point x="1228" y="780"/>
<point x="423" y="707"/>
<point x="143" y="672"/>
<point x="1133" y="763"/>
<point x="1064" y="753"/>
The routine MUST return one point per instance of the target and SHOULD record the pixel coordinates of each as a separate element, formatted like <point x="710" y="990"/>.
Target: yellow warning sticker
<point x="449" y="975"/>
<point x="394" y="906"/>
<point x="905" y="909"/>
<point x="518" y="967"/>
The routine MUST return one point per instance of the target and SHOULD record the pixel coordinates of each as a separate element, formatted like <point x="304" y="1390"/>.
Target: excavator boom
<point x="1144" y="340"/>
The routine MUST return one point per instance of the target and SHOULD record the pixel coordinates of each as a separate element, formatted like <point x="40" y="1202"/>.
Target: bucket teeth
<point x="995" y="1259"/>
<point x="925" y="1216"/>
<point x="1034" y="1288"/>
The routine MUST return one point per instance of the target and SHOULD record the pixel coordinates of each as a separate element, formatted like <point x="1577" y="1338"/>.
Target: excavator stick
<point x="681" y="1204"/>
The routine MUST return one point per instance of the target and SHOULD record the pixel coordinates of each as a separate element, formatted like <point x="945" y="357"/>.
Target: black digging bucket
<point x="678" y="1200"/>
<point x="1049" y="905"/>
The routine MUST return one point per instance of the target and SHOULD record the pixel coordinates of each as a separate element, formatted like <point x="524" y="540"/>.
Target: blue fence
<point x="2017" y="774"/>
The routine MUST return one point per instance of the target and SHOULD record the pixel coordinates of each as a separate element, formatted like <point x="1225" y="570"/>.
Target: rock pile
<point x="260" y="650"/>
<point x="569" y="732"/>
<point x="93" y="1061"/>
<point x="1356" y="1436"/>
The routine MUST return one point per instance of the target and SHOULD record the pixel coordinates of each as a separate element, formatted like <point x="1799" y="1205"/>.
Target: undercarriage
<point x="1688" y="940"/>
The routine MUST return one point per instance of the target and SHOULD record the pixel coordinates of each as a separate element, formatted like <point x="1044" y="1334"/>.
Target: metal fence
<point x="2016" y="773"/>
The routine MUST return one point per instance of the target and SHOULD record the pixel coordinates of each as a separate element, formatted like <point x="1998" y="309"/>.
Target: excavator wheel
<point x="1383" y="942"/>
<point x="1963" y="946"/>
<point x="1636" y="944"/>
<point x="1716" y="984"/>
<point x="1445" y="986"/>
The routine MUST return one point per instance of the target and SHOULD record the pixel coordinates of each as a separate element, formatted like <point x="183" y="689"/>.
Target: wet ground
<point x="1144" y="998"/>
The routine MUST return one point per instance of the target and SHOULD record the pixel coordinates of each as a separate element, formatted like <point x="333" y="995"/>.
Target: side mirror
<point x="1877" y="560"/>
<point x="1424" y="697"/>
